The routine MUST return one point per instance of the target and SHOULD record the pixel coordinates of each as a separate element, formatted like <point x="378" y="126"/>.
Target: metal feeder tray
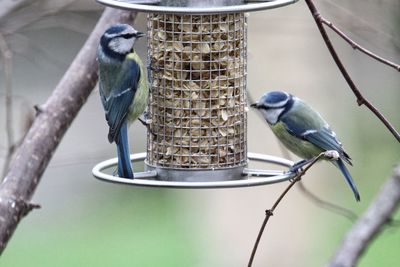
<point x="251" y="177"/>
<point x="198" y="98"/>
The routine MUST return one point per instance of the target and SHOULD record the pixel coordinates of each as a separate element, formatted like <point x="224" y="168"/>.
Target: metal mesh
<point x="198" y="99"/>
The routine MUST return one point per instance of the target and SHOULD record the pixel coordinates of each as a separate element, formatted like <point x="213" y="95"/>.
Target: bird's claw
<point x="298" y="166"/>
<point x="332" y="155"/>
<point x="296" y="170"/>
<point x="151" y="67"/>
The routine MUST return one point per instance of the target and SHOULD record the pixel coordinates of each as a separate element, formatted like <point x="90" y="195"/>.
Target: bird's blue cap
<point x="116" y="28"/>
<point x="275" y="97"/>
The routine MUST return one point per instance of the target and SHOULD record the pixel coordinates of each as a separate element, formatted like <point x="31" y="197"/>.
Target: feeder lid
<point x="196" y="6"/>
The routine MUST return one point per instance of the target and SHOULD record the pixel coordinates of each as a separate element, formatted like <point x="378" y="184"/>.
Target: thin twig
<point x="361" y="100"/>
<point x="356" y="46"/>
<point x="7" y="56"/>
<point x="270" y="212"/>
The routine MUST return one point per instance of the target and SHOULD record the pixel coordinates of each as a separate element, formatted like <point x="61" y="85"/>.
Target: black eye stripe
<point x="128" y="35"/>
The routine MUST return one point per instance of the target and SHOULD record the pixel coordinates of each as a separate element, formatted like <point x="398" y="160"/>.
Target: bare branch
<point x="357" y="46"/>
<point x="270" y="212"/>
<point x="46" y="132"/>
<point x="361" y="100"/>
<point x="370" y="224"/>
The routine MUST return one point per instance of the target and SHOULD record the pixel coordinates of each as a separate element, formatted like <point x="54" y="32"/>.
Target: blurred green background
<point x="85" y="222"/>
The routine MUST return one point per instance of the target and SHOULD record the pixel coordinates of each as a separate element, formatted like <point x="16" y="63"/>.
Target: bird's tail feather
<point x="349" y="179"/>
<point x="124" y="162"/>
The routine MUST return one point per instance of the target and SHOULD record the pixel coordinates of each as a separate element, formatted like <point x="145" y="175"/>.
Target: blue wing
<point x="305" y="127"/>
<point x="117" y="103"/>
<point x="326" y="139"/>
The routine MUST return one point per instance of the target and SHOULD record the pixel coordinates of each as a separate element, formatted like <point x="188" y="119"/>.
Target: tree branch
<point x="370" y="224"/>
<point x="361" y="100"/>
<point x="48" y="128"/>
<point x="356" y="46"/>
<point x="270" y="212"/>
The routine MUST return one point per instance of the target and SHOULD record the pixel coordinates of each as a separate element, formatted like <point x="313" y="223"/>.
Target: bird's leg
<point x="155" y="69"/>
<point x="296" y="168"/>
<point x="151" y="67"/>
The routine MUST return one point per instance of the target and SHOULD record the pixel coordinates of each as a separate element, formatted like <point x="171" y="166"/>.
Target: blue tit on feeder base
<point x="123" y="87"/>
<point x="302" y="130"/>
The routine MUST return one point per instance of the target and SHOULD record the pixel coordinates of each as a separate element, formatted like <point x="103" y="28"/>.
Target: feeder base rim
<point x="250" y="177"/>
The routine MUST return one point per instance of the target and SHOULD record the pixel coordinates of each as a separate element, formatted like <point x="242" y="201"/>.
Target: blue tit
<point x="302" y="130"/>
<point x="123" y="87"/>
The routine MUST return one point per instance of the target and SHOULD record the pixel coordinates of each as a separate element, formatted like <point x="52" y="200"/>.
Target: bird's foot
<point x="298" y="166"/>
<point x="151" y="67"/>
<point x="332" y="155"/>
<point x="151" y="70"/>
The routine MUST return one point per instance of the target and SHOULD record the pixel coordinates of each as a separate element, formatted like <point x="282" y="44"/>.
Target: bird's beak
<point x="254" y="105"/>
<point x="140" y="34"/>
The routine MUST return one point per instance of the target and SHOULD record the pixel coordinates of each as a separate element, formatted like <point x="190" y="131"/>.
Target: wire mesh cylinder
<point x="197" y="103"/>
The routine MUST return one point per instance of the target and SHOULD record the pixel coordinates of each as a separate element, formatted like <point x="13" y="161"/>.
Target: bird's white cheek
<point x="121" y="45"/>
<point x="271" y="115"/>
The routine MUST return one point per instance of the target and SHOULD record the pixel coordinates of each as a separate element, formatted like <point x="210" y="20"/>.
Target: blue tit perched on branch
<point x="302" y="130"/>
<point x="123" y="87"/>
